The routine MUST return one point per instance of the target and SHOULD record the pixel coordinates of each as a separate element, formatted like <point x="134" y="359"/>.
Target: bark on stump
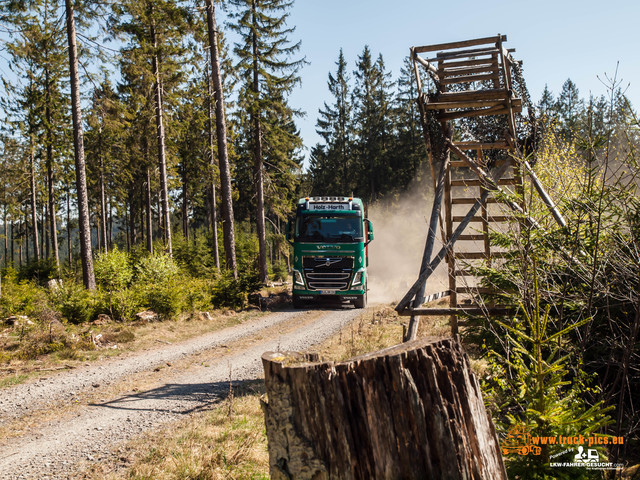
<point x="410" y="411"/>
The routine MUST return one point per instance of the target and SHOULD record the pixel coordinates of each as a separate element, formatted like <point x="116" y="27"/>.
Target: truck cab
<point x="330" y="236"/>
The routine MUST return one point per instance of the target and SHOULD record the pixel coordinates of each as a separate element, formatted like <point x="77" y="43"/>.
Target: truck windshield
<point x="327" y="228"/>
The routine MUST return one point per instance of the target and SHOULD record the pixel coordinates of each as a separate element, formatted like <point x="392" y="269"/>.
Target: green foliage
<point x="39" y="271"/>
<point x="75" y="303"/>
<point x="531" y="385"/>
<point x="195" y="256"/>
<point x="113" y="270"/>
<point x="166" y="299"/>
<point x="229" y="292"/>
<point x="122" y="305"/>
<point x="157" y="268"/>
<point x="20" y="297"/>
<point x="280" y="271"/>
<point x="197" y="294"/>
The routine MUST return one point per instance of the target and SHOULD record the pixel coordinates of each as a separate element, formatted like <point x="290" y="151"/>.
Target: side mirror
<point x="369" y="230"/>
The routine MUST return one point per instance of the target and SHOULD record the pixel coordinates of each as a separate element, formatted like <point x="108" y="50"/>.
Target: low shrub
<point x="21" y="297"/>
<point x="113" y="270"/>
<point x="280" y="271"/>
<point x="75" y="303"/>
<point x="197" y="294"/>
<point x="38" y="271"/>
<point x="157" y="268"/>
<point x="166" y="299"/>
<point x="122" y="305"/>
<point x="229" y="292"/>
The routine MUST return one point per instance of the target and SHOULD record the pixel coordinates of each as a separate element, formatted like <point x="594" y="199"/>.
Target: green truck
<point x="330" y="238"/>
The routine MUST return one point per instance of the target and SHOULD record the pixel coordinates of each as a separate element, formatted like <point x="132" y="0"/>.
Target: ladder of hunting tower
<point x="473" y="79"/>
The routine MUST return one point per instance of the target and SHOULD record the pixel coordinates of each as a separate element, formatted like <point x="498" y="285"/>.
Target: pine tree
<point x="268" y="74"/>
<point x="408" y="153"/>
<point x="157" y="30"/>
<point x="78" y="143"/>
<point x="569" y="107"/>
<point x="104" y="142"/>
<point x="372" y="124"/>
<point x="38" y="53"/>
<point x="334" y="126"/>
<point x="216" y="85"/>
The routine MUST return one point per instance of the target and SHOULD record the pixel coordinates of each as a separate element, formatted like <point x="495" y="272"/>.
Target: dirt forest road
<point x="85" y="415"/>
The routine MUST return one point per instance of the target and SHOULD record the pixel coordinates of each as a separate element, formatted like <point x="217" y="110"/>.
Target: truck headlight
<point x="358" y="278"/>
<point x="297" y="278"/>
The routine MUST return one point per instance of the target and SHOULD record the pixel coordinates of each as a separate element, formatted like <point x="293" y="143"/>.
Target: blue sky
<point x="556" y="40"/>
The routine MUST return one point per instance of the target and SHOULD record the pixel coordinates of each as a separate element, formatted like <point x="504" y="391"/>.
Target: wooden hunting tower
<point x="471" y="96"/>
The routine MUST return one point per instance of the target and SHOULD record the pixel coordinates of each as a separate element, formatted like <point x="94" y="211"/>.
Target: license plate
<point x="327" y="292"/>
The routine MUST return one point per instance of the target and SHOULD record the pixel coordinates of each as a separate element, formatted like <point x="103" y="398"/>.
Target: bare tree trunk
<point x="161" y="145"/>
<point x="13" y="242"/>
<point x="69" y="258"/>
<point x="51" y="210"/>
<point x="258" y="178"/>
<point x="212" y="200"/>
<point x="149" y="213"/>
<point x="78" y="143"/>
<point x="228" y="222"/>
<point x="20" y="242"/>
<point x="127" y="232"/>
<point x="45" y="232"/>
<point x="185" y="203"/>
<point x="103" y="202"/>
<point x="26" y="235"/>
<point x="34" y="217"/>
<point x="110" y="222"/>
<point x="6" y="237"/>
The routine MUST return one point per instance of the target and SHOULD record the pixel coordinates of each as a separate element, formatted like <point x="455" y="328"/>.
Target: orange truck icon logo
<point x="518" y="441"/>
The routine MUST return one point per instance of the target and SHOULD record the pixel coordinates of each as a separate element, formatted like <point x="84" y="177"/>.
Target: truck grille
<point x="328" y="273"/>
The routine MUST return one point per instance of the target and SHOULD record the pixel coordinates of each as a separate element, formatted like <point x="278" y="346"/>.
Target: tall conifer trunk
<point x="212" y="198"/>
<point x="51" y="209"/>
<point x="149" y="213"/>
<point x="185" y="203"/>
<point x="162" y="159"/>
<point x="103" y="202"/>
<point x="6" y="237"/>
<point x="78" y="143"/>
<point x="34" y="217"/>
<point x="228" y="227"/>
<point x="69" y="258"/>
<point x="257" y="163"/>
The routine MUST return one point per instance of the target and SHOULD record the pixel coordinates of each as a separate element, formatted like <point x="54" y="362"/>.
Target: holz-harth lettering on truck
<point x="330" y="255"/>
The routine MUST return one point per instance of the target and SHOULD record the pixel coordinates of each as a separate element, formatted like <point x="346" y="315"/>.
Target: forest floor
<point x="56" y="425"/>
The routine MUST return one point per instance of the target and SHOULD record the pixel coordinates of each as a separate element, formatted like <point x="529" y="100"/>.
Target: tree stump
<point x="410" y="411"/>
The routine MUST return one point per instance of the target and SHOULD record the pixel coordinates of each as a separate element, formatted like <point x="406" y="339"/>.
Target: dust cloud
<point x="400" y="226"/>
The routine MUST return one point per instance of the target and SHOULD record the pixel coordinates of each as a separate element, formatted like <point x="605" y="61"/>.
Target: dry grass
<point x="379" y="327"/>
<point x="229" y="442"/>
<point x="36" y="350"/>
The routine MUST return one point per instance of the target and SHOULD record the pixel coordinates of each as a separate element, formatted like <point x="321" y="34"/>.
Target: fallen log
<point x="410" y="411"/>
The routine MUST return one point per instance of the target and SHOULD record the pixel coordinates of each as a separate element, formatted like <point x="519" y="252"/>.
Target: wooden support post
<point x="451" y="258"/>
<point x="444" y="159"/>
<point x="484" y="212"/>
<point x="412" y="411"/>
<point x="404" y="303"/>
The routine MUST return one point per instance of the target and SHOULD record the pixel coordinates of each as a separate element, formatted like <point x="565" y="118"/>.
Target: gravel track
<point x="92" y="432"/>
